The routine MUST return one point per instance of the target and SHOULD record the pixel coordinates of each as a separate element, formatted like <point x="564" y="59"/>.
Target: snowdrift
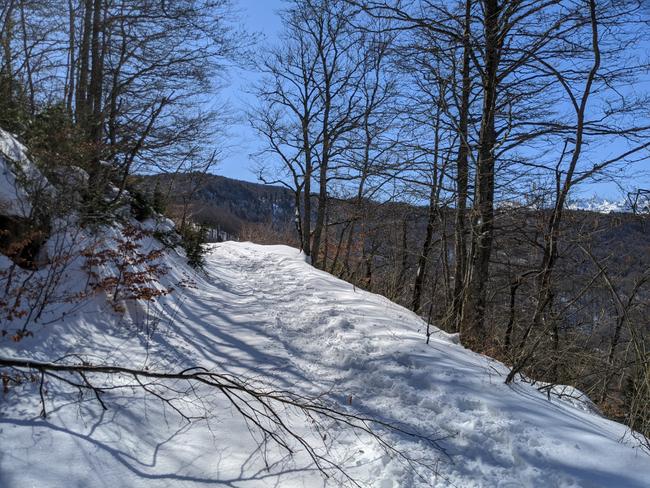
<point x="263" y="312"/>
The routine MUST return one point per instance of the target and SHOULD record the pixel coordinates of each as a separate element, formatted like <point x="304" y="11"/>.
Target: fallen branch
<point x="259" y="406"/>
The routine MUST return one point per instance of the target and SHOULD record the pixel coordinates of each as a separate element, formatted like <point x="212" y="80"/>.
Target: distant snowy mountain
<point x="634" y="203"/>
<point x="599" y="205"/>
<point x="607" y="206"/>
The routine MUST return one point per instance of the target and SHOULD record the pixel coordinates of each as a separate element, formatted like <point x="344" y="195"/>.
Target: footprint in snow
<point x="467" y="404"/>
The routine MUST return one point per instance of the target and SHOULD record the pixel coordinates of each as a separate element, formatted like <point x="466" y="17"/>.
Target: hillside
<point x="123" y="366"/>
<point x="224" y="203"/>
<point x="388" y="241"/>
<point x="263" y="312"/>
<point x="421" y="294"/>
<point x="230" y="203"/>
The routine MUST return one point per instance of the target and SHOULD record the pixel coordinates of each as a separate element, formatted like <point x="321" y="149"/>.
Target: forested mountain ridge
<point x="228" y="203"/>
<point x="221" y="202"/>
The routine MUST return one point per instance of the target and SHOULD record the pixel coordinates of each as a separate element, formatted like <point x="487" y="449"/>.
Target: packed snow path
<point x="262" y="311"/>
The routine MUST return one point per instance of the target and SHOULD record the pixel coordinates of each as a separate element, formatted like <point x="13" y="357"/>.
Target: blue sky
<point x="261" y="16"/>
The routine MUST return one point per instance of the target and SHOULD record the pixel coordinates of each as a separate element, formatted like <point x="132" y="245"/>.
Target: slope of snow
<point x="261" y="311"/>
<point x="13" y="159"/>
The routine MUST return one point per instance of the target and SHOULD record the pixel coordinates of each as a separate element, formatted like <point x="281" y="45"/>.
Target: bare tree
<point x="566" y="176"/>
<point x="312" y="100"/>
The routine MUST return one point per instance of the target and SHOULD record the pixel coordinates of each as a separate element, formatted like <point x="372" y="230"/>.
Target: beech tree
<point x="587" y="76"/>
<point x="311" y="100"/>
<point x="130" y="75"/>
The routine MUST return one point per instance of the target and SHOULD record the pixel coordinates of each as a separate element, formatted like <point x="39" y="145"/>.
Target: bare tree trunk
<point x="94" y="94"/>
<point x="326" y="230"/>
<point x="356" y="217"/>
<point x="507" y="339"/>
<point x="323" y="171"/>
<point x="339" y="247"/>
<point x="403" y="262"/>
<point x="306" y="218"/>
<point x="462" y="176"/>
<point x="70" y="81"/>
<point x="28" y="61"/>
<point x="444" y="259"/>
<point x="7" y="65"/>
<point x="345" y="269"/>
<point x="298" y="218"/>
<point x="320" y="217"/>
<point x="420" y="274"/>
<point x="307" y="150"/>
<point x="474" y="302"/>
<point x="84" y="64"/>
<point x="433" y="213"/>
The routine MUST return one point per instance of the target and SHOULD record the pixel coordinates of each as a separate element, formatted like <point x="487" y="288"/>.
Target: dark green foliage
<point x="159" y="200"/>
<point x="54" y="140"/>
<point x="194" y="238"/>
<point x="141" y="204"/>
<point x="14" y="111"/>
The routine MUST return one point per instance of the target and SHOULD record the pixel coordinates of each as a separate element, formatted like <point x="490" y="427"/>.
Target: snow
<point x="593" y="204"/>
<point x="15" y="167"/>
<point x="609" y="206"/>
<point x="11" y="148"/>
<point x="13" y="200"/>
<point x="600" y="205"/>
<point x="263" y="312"/>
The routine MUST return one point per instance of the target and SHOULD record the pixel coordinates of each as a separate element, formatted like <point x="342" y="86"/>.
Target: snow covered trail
<point x="262" y="311"/>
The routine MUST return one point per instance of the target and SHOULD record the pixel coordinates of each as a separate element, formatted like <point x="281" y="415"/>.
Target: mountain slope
<point x="262" y="311"/>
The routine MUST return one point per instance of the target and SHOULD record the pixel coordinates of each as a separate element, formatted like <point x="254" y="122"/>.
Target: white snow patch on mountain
<point x="600" y="205"/>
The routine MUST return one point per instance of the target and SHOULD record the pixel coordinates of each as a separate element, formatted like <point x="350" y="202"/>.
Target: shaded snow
<point x="15" y="167"/>
<point x="262" y="311"/>
<point x="13" y="199"/>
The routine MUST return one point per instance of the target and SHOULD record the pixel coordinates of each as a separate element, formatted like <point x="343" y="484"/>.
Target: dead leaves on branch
<point x="126" y="266"/>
